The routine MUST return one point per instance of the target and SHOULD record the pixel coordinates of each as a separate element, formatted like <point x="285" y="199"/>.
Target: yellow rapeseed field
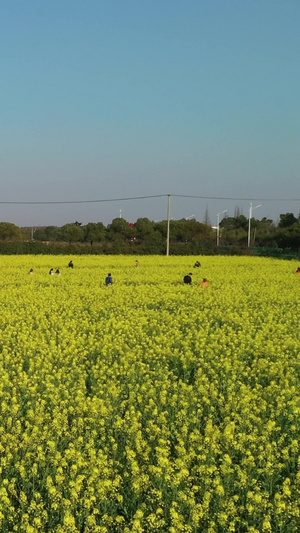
<point x="149" y="405"/>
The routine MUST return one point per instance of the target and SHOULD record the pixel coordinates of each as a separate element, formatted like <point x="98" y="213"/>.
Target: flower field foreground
<point x="149" y="405"/>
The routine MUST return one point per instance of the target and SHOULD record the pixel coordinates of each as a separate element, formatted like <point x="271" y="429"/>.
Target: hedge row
<point x="128" y="248"/>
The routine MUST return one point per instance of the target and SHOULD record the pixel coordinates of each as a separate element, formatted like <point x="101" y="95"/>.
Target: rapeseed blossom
<point x="152" y="407"/>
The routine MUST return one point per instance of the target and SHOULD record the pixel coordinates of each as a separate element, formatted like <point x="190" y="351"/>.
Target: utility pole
<point x="218" y="226"/>
<point x="249" y="222"/>
<point x="168" y="225"/>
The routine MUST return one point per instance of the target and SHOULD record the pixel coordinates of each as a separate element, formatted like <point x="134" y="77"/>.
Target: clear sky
<point x="107" y="99"/>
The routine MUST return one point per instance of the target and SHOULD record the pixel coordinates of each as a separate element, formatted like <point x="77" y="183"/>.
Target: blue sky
<point x="104" y="100"/>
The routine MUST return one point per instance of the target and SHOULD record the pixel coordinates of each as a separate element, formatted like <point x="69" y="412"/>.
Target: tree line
<point x="149" y="237"/>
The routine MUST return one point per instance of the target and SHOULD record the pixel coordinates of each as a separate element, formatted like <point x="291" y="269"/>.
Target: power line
<point x="238" y="199"/>
<point x="85" y="201"/>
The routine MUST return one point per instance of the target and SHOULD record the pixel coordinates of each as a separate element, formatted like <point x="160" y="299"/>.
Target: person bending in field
<point x="188" y="279"/>
<point x="109" y="280"/>
<point x="58" y="272"/>
<point x="51" y="271"/>
<point x="204" y="283"/>
<point x="298" y="270"/>
<point x="197" y="264"/>
<point x="31" y="271"/>
<point x="71" y="264"/>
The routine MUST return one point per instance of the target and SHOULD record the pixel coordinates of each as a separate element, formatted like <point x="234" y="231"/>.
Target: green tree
<point x="40" y="234"/>
<point x="264" y="232"/>
<point x="287" y="220"/>
<point x="72" y="233"/>
<point x="154" y="243"/>
<point x="143" y="228"/>
<point x="289" y="237"/>
<point x="234" y="223"/>
<point x="234" y="230"/>
<point x="186" y="232"/>
<point x="53" y="233"/>
<point x="94" y="232"/>
<point x="196" y="231"/>
<point x="120" y="229"/>
<point x="10" y="232"/>
<point x="233" y="236"/>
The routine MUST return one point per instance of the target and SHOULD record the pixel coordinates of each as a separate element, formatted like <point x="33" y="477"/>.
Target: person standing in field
<point x="188" y="279"/>
<point x="137" y="264"/>
<point x="109" y="280"/>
